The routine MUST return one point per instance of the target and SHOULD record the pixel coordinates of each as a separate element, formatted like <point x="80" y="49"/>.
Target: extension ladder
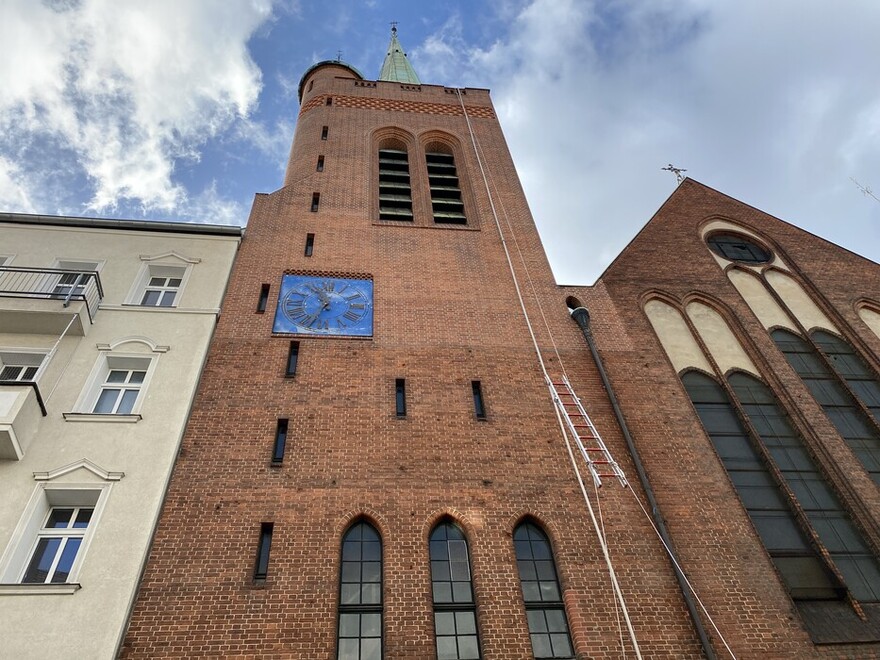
<point x="589" y="442"/>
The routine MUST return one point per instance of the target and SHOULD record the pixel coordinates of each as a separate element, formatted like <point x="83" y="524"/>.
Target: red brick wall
<point x="717" y="544"/>
<point x="446" y="313"/>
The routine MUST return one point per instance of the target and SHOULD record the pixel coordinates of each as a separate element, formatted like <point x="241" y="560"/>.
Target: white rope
<point x="529" y="279"/>
<point x="684" y="577"/>
<point x="522" y="305"/>
<point x="605" y="537"/>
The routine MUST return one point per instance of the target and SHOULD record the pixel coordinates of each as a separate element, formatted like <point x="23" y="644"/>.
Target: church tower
<point x="374" y="466"/>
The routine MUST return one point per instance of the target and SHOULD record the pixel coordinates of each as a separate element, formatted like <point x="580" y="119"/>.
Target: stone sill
<point x="39" y="589"/>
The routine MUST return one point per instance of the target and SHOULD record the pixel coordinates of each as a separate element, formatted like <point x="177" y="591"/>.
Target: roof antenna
<point x="675" y="170"/>
<point x="865" y="189"/>
<point x="338" y="55"/>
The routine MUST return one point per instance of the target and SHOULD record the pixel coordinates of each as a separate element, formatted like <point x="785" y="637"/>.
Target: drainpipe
<point x="582" y="318"/>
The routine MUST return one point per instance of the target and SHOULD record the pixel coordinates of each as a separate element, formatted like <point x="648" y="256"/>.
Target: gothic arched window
<point x="455" y="617"/>
<point x="802" y="570"/>
<point x="395" y="191"/>
<point x="838" y="403"/>
<point x="360" y="595"/>
<point x="548" y="626"/>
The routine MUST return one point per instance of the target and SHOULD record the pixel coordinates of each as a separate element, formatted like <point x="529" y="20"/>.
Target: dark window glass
<point x="359" y="634"/>
<point x="261" y="570"/>
<point x="329" y="100"/>
<point x="395" y="193"/>
<point x="548" y="626"/>
<point x="280" y="441"/>
<point x="832" y="523"/>
<point x="324" y="131"/>
<point x="737" y="247"/>
<point x="769" y="509"/>
<point x="849" y="365"/>
<point x="310" y="244"/>
<point x="446" y="201"/>
<point x="400" y="396"/>
<point x="316" y="202"/>
<point x="455" y="619"/>
<point x="292" y="358"/>
<point x="320" y="167"/>
<point x="856" y="429"/>
<point x="264" y="299"/>
<point x="479" y="406"/>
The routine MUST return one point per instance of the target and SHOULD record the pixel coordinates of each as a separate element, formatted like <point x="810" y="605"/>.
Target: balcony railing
<point x="54" y="284"/>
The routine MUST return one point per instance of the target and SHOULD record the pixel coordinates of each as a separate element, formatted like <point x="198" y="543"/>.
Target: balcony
<point x="48" y="300"/>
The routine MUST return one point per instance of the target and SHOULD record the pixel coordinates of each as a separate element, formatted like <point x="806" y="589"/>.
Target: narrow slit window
<point x="324" y="131"/>
<point x="261" y="569"/>
<point x="395" y="192"/>
<point x="329" y="100"/>
<point x="446" y="202"/>
<point x="264" y="299"/>
<point x="280" y="442"/>
<point x="292" y="358"/>
<point x="545" y="611"/>
<point x="316" y="201"/>
<point x="320" y="167"/>
<point x="479" y="405"/>
<point x="400" y="396"/>
<point x="310" y="244"/>
<point x="359" y="633"/>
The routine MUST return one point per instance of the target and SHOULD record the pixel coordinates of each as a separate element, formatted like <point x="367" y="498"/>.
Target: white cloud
<point x="125" y="88"/>
<point x="210" y="207"/>
<point x="774" y="103"/>
<point x="13" y="188"/>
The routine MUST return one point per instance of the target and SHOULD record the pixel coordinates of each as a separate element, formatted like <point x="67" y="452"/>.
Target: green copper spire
<point x="396" y="68"/>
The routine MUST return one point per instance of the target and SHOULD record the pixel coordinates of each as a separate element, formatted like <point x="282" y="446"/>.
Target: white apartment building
<point x="104" y="331"/>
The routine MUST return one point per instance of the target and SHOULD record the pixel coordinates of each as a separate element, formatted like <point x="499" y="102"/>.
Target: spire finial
<point x="396" y="67"/>
<point x="338" y="55"/>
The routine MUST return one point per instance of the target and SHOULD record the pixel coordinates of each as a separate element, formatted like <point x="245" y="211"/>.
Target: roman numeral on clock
<point x="351" y="316"/>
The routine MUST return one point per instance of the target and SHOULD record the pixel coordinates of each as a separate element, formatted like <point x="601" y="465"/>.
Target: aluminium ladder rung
<point x="572" y="409"/>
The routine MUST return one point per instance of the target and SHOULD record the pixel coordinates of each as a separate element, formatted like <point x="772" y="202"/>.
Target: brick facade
<point x="447" y="313"/>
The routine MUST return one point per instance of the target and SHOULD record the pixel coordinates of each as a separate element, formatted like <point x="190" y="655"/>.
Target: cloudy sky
<point x="183" y="109"/>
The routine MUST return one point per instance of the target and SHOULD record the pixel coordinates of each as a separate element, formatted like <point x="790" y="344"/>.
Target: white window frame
<point x="65" y="534"/>
<point x="110" y="359"/>
<point x="6" y="259"/>
<point x="167" y="265"/>
<point x="98" y="381"/>
<point x="23" y="357"/>
<point x="82" y="265"/>
<point x="23" y="543"/>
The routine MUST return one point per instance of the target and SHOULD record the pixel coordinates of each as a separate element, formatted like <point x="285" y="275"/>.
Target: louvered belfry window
<point x="395" y="192"/>
<point x="446" y="202"/>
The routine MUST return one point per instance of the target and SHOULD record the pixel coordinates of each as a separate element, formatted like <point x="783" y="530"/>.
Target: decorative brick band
<point x="329" y="273"/>
<point x="398" y="106"/>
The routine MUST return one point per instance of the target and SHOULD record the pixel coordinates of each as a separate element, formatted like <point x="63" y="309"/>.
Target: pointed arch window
<point x="548" y="625"/>
<point x="848" y="549"/>
<point x="856" y="429"/>
<point x="455" y="617"/>
<point x="395" y="191"/>
<point x="446" y="201"/>
<point x="852" y="368"/>
<point x="359" y="634"/>
<point x="802" y="571"/>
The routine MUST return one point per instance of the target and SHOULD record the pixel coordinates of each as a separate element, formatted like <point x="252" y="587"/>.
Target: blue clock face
<point x="325" y="306"/>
